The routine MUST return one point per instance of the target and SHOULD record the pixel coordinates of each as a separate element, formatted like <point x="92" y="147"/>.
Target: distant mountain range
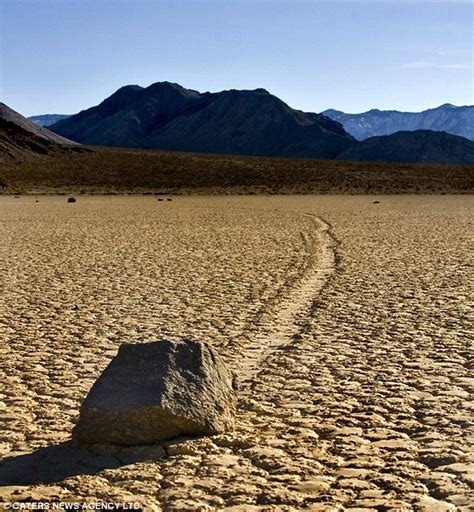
<point x="446" y="118"/>
<point x="169" y="117"/>
<point x="48" y="119"/>
<point x="420" y="146"/>
<point x="20" y="138"/>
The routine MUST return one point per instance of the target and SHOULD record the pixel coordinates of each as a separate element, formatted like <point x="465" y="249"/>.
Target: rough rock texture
<point x="156" y="391"/>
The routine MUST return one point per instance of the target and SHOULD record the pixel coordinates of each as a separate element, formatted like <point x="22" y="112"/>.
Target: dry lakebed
<point x="347" y="318"/>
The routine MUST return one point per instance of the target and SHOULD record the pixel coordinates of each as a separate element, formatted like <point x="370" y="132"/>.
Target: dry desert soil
<point x="349" y="322"/>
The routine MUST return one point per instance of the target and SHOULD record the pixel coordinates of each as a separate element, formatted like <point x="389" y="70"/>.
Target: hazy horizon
<point x="354" y="56"/>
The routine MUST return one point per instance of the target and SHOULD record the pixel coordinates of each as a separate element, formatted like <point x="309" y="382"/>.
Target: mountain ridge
<point x="167" y="116"/>
<point x="46" y="120"/>
<point x="418" y="146"/>
<point x="456" y="120"/>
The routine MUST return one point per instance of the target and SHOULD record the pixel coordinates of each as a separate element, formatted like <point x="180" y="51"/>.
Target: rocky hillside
<point x="446" y="118"/>
<point x="169" y="117"/>
<point x="20" y="138"/>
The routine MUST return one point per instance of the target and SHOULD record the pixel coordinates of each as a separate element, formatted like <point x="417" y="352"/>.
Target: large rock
<point x="156" y="391"/>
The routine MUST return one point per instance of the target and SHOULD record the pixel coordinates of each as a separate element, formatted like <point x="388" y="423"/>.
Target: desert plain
<point x="347" y="318"/>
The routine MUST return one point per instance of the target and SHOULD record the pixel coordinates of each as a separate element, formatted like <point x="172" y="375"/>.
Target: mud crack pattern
<point x="360" y="398"/>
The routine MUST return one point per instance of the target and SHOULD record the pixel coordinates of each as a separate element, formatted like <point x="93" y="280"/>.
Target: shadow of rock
<point x="65" y="460"/>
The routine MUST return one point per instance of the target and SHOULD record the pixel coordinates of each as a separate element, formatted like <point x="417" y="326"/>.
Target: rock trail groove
<point x="294" y="308"/>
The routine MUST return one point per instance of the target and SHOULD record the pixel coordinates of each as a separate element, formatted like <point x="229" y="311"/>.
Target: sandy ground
<point x="349" y="322"/>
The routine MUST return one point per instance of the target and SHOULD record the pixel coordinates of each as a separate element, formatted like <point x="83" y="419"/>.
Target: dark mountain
<point x="21" y="138"/>
<point x="169" y="117"/>
<point x="47" y="119"/>
<point x="446" y="118"/>
<point x="420" y="146"/>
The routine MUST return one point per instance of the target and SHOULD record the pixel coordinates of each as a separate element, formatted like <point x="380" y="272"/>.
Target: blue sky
<point x="61" y="56"/>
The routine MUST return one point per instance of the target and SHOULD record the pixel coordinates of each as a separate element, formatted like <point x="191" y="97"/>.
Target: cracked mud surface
<point x="360" y="398"/>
